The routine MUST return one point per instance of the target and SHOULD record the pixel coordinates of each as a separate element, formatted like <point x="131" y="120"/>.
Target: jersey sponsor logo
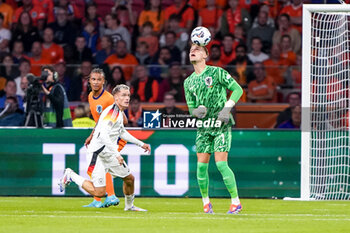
<point x="99" y="109"/>
<point x="208" y="81"/>
<point x="228" y="76"/>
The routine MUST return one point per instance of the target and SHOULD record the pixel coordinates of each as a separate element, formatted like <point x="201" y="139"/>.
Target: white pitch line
<point x="172" y="218"/>
<point x="217" y="214"/>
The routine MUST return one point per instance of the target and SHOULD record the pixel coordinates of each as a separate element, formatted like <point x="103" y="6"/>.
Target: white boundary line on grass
<point x="162" y="217"/>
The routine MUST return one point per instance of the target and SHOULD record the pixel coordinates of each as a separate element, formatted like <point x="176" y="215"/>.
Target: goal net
<point x="325" y="168"/>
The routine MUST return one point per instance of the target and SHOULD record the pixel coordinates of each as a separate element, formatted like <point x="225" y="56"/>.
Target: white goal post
<point x="325" y="159"/>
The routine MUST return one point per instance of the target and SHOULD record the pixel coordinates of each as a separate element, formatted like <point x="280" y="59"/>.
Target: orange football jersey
<point x="99" y="103"/>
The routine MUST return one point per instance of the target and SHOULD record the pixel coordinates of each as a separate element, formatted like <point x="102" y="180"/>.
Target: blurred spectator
<point x="47" y="6"/>
<point x="294" y="99"/>
<point x="295" y="121"/>
<point x="262" y="89"/>
<point x="79" y="84"/>
<point x="80" y="5"/>
<point x="24" y="68"/>
<point x="134" y="112"/>
<point x="17" y="51"/>
<point x="11" y="115"/>
<point x="7" y="69"/>
<point x="152" y="13"/>
<point x="7" y="12"/>
<point x="51" y="51"/>
<point x="142" y="53"/>
<point x="72" y="9"/>
<point x="36" y="59"/>
<point x="63" y="78"/>
<point x="121" y="57"/>
<point x="256" y="55"/>
<point x="268" y="10"/>
<point x="248" y="4"/>
<point x="287" y="52"/>
<point x="228" y="49"/>
<point x="105" y="51"/>
<point x="209" y="15"/>
<point x="91" y="14"/>
<point x="172" y="84"/>
<point x="116" y="31"/>
<point x="276" y="65"/>
<point x="11" y="90"/>
<point x="184" y="11"/>
<point x="64" y="31"/>
<point x="36" y="12"/>
<point x="233" y="16"/>
<point x="126" y="16"/>
<point x="159" y="66"/>
<point x="90" y="35"/>
<point x="144" y="86"/>
<point x="169" y="41"/>
<point x="82" y="119"/>
<point x="263" y="31"/>
<point x="170" y="111"/>
<point x="24" y="86"/>
<point x="80" y="52"/>
<point x="284" y="28"/>
<point x="241" y="67"/>
<point x="5" y="36"/>
<point x="182" y="35"/>
<point x="239" y="34"/>
<point x="116" y="78"/>
<point x="25" y="31"/>
<point x="295" y="11"/>
<point x="293" y="74"/>
<point x="215" y="56"/>
<point x="149" y="38"/>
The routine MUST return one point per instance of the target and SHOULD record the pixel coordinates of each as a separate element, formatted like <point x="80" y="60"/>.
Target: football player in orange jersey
<point x="99" y="99"/>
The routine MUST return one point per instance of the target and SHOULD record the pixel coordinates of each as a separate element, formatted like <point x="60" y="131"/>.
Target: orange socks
<point x="109" y="185"/>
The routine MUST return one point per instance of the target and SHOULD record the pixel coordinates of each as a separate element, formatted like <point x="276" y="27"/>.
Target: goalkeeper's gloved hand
<point x="224" y="114"/>
<point x="200" y="112"/>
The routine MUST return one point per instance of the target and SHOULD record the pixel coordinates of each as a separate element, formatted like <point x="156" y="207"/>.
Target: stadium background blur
<point x="258" y="42"/>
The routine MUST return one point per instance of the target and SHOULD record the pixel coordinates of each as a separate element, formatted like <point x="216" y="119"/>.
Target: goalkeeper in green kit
<point x="206" y="97"/>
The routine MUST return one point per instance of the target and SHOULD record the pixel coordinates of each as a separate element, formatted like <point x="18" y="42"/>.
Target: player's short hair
<point x="98" y="71"/>
<point x="120" y="87"/>
<point x="205" y="49"/>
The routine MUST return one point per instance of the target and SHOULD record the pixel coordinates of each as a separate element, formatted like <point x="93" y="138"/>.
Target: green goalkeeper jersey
<point x="210" y="89"/>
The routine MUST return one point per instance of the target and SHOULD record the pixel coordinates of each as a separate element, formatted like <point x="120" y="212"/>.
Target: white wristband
<point x="230" y="103"/>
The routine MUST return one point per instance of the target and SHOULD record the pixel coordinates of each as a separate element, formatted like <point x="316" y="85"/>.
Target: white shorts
<point x="104" y="162"/>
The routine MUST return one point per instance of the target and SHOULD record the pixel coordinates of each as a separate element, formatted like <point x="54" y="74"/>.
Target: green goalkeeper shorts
<point x="213" y="141"/>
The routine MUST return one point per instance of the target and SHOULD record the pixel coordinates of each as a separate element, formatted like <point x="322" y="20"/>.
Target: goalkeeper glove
<point x="224" y="114"/>
<point x="200" y="112"/>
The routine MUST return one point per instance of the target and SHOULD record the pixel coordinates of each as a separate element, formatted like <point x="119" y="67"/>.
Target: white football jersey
<point x="108" y="130"/>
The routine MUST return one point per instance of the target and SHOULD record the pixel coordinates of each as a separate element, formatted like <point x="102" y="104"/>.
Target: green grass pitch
<point x="55" y="215"/>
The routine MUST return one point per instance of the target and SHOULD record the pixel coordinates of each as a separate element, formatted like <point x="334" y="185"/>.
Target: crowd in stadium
<point x="145" y="44"/>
